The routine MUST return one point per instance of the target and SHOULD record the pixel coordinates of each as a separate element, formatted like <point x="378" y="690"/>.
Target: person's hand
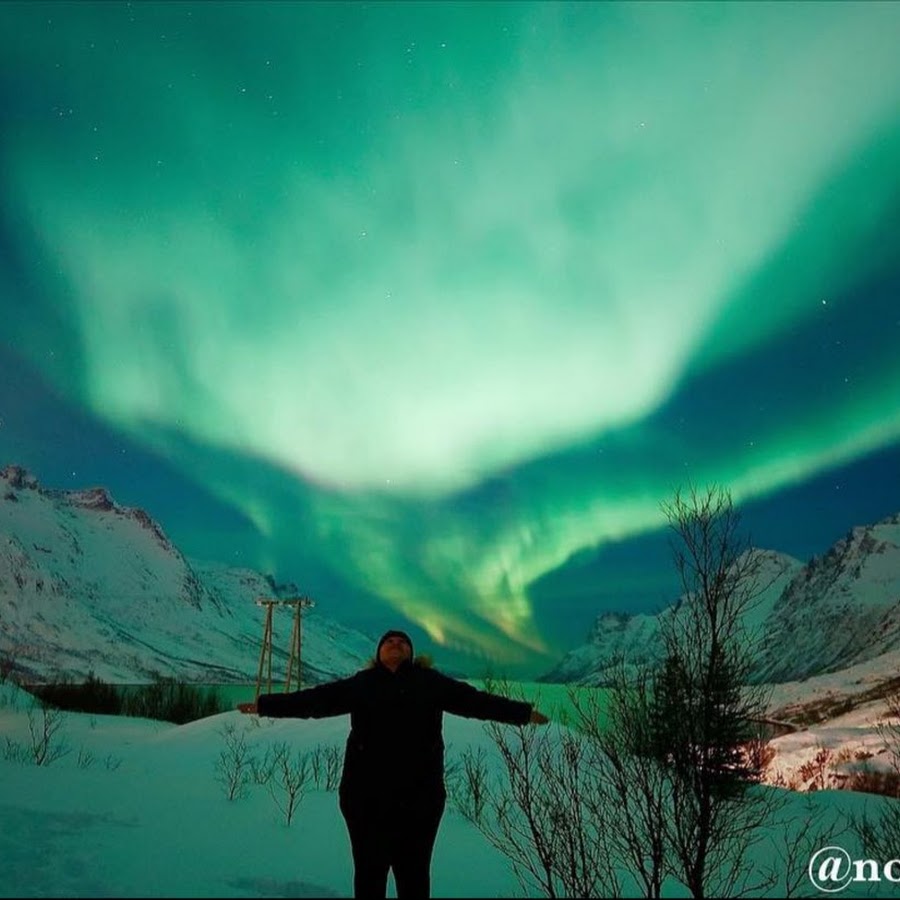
<point x="247" y="707"/>
<point x="538" y="718"/>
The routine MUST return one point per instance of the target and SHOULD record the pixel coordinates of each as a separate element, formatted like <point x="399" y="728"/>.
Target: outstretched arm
<point x="462" y="699"/>
<point x="332" y="699"/>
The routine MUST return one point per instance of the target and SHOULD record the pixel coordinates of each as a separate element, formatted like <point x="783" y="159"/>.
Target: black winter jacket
<point x="395" y="750"/>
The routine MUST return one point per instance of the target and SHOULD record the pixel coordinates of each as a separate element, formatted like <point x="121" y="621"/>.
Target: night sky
<point x="428" y="307"/>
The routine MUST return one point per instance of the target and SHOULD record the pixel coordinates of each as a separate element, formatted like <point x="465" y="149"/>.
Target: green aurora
<point x="457" y="275"/>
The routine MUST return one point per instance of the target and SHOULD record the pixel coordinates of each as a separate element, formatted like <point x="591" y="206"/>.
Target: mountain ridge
<point x="88" y="586"/>
<point x="838" y="610"/>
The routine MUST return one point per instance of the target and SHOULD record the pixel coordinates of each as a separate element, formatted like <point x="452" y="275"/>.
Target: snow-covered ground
<point x="136" y="809"/>
<point x="844" y="742"/>
<point x="827" y="754"/>
<point x="849" y="682"/>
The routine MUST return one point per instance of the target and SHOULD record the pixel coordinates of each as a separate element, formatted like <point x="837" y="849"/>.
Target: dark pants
<point x="392" y="836"/>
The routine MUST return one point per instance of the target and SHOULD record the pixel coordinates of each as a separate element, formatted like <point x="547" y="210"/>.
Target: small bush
<point x="886" y="783"/>
<point x="286" y="777"/>
<point x="325" y="763"/>
<point x="47" y="743"/>
<point x="814" y="772"/>
<point x="236" y="763"/>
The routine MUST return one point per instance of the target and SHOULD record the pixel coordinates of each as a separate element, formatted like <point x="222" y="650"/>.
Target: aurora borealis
<point x="428" y="306"/>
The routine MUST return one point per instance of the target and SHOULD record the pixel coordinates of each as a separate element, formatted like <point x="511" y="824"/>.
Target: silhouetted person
<point x="392" y="792"/>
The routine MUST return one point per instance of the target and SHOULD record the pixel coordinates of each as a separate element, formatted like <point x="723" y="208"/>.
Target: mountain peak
<point x="87" y="585"/>
<point x="19" y="477"/>
<point x="91" y="498"/>
<point x="840" y="608"/>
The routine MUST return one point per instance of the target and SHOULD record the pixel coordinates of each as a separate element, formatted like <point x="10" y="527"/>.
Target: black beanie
<point x="393" y="633"/>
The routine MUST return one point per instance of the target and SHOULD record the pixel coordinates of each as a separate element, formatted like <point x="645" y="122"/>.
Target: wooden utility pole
<point x="265" y="656"/>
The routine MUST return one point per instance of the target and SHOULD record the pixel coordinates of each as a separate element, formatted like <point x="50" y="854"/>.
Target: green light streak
<point x="437" y="259"/>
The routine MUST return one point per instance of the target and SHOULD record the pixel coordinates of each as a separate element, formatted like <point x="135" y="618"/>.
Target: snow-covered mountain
<point x="836" y="611"/>
<point x="87" y="585"/>
<point x="841" y="609"/>
<point x="636" y="636"/>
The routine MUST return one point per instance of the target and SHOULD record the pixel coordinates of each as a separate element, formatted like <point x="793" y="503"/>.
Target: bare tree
<point x="879" y="833"/>
<point x="705" y="709"/>
<point x="633" y="785"/>
<point x="290" y="776"/>
<point x="661" y="775"/>
<point x="547" y="813"/>
<point x="47" y="742"/>
<point x="325" y="765"/>
<point x="795" y="840"/>
<point x="235" y="762"/>
<point x="467" y="783"/>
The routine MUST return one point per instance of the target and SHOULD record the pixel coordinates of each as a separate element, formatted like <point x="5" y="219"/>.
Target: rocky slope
<point x="87" y="585"/>
<point x="836" y="611"/>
